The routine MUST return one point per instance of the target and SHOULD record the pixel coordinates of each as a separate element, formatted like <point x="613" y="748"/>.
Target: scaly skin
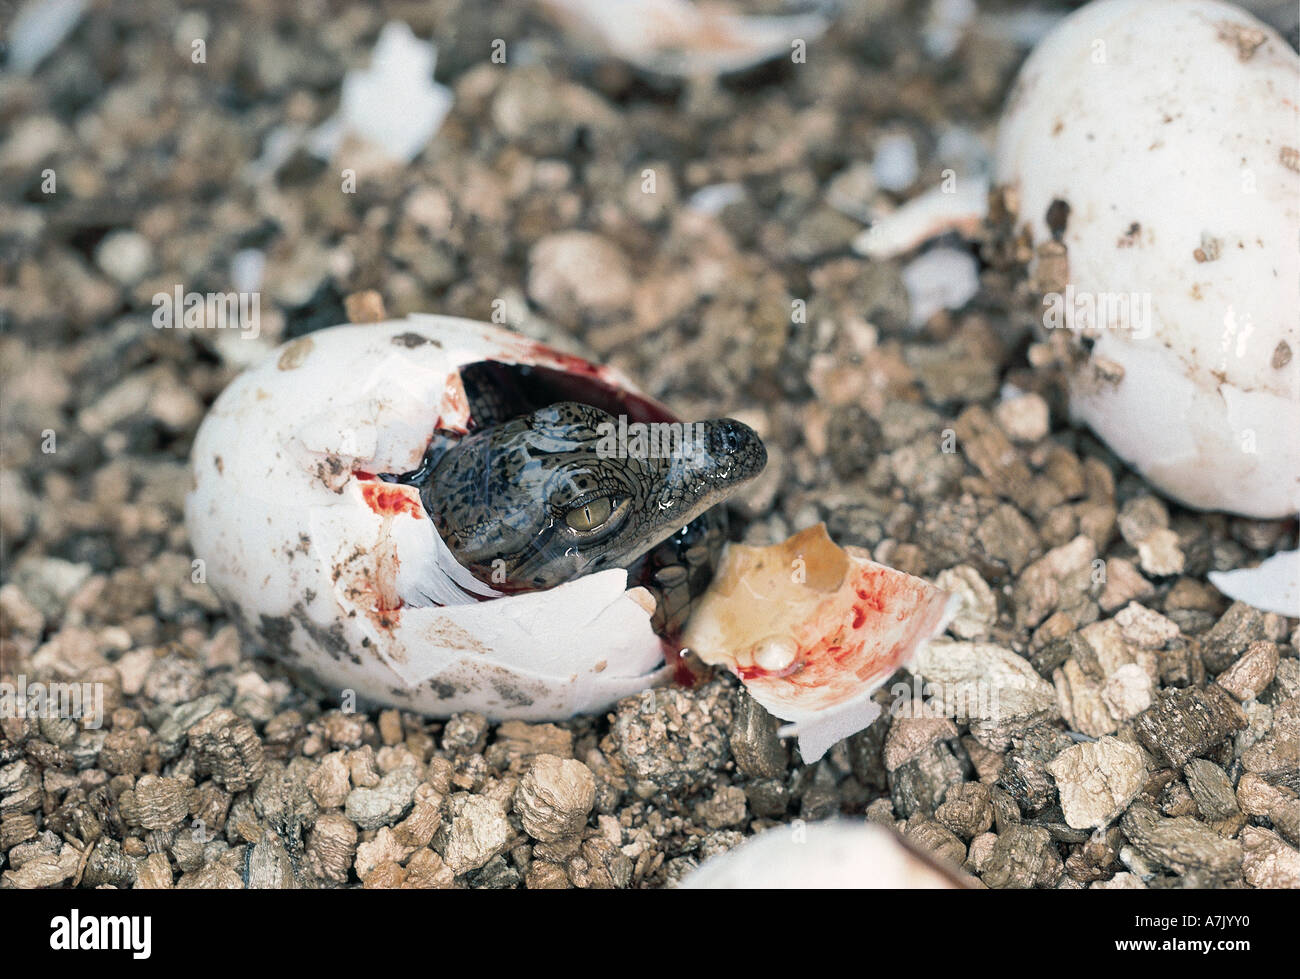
<point x="539" y="500"/>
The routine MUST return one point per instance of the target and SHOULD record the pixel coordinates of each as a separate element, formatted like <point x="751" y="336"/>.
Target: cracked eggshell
<point x="338" y="574"/>
<point x="813" y="630"/>
<point x="678" y="37"/>
<point x="835" y="854"/>
<point x="1170" y="131"/>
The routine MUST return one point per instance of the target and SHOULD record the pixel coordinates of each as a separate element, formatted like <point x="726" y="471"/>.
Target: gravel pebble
<point x="1211" y="788"/>
<point x="1253" y="671"/>
<point x="1183" y="724"/>
<point x="574" y="272"/>
<point x="759" y="753"/>
<point x="387" y="802"/>
<point x="1267" y="861"/>
<point x="1024" y="417"/>
<point x="1184" y="845"/>
<point x="669" y="740"/>
<point x="1021" y="857"/>
<point x="1097" y="780"/>
<point x="476" y="831"/>
<point x="989" y="686"/>
<point x="979" y="606"/>
<point x="554" y="797"/>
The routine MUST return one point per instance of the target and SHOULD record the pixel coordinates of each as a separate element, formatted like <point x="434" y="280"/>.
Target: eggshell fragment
<point x="926" y="217"/>
<point x="1157" y="142"/>
<point x="677" y="37"/>
<point x="836" y="854"/>
<point x="343" y="577"/>
<point x="393" y="107"/>
<point x="813" y="629"/>
<point x="1273" y="586"/>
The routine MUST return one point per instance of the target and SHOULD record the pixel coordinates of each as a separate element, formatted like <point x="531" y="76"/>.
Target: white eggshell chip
<point x="677" y="37"/>
<point x="837" y="854"/>
<point x="1160" y="143"/>
<point x="1274" y="585"/>
<point x="343" y="577"/>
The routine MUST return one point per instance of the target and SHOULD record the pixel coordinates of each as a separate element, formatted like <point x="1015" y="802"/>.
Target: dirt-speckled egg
<point x="1152" y="149"/>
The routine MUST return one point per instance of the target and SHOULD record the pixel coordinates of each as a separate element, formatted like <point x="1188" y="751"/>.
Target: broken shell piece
<point x="813" y="629"/>
<point x="1273" y="586"/>
<point x="835" y="854"/>
<point x="394" y="107"/>
<point x="38" y="30"/>
<point x="926" y="217"/>
<point x="942" y="278"/>
<point x="675" y="37"/>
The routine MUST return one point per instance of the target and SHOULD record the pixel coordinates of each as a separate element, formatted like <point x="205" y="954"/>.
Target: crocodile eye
<point x="590" y="516"/>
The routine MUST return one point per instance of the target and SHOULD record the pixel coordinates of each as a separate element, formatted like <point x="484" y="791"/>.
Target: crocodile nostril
<point x="735" y="450"/>
<point x="729" y="437"/>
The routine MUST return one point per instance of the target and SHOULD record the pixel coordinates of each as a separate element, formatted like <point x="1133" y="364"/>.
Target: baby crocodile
<point x="540" y="499"/>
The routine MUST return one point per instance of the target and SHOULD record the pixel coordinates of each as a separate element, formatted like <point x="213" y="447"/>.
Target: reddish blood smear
<point x="872" y="600"/>
<point x="565" y="362"/>
<point x="854" y="646"/>
<point x="389" y="500"/>
<point x="684" y="673"/>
